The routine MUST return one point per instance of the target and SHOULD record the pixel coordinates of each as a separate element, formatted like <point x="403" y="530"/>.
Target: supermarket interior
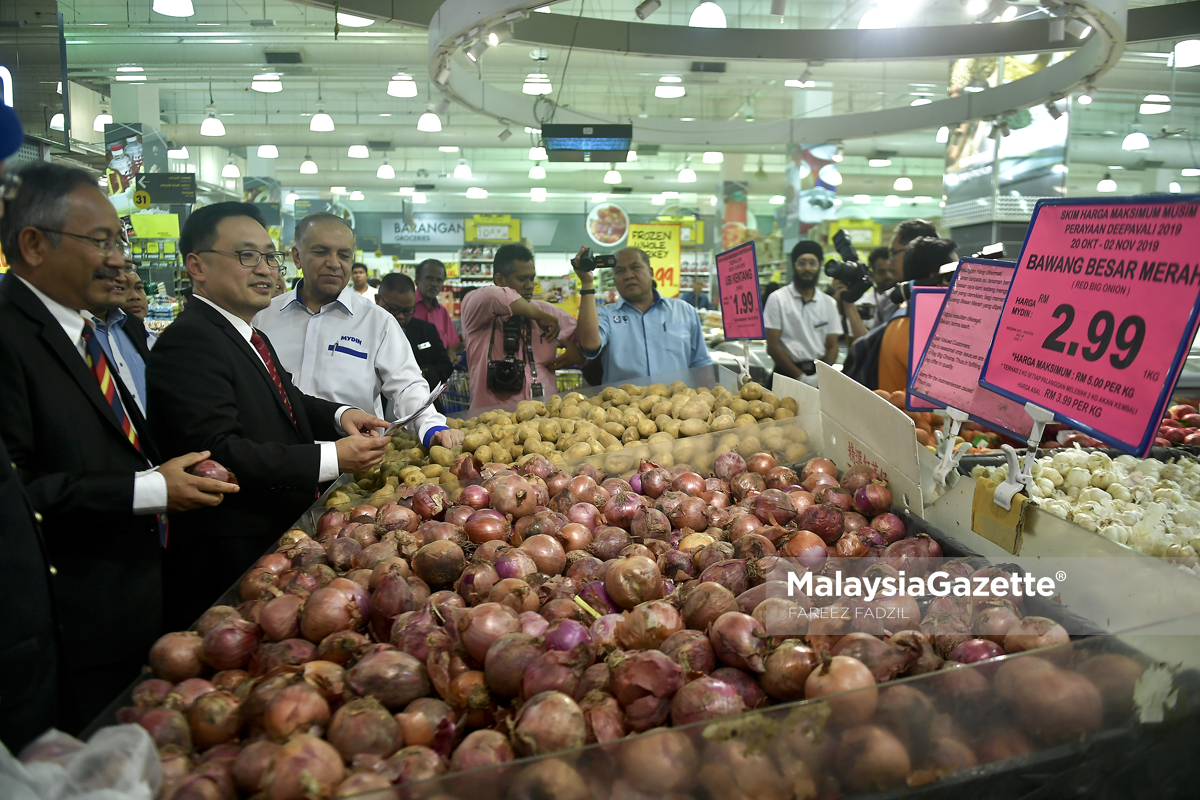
<point x="599" y="399"/>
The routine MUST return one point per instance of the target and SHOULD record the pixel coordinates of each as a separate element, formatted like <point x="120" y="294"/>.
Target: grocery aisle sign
<point x="953" y="360"/>
<point x="923" y="309"/>
<point x="737" y="281"/>
<point x="661" y="243"/>
<point x="492" y="228"/>
<point x="1101" y="314"/>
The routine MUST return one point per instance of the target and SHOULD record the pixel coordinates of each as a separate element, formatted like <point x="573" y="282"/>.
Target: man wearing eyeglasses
<point x="338" y="344"/>
<point x="213" y="379"/>
<point x="398" y="296"/>
<point x="77" y="436"/>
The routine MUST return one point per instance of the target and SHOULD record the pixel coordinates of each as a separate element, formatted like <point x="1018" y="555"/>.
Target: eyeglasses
<point x="398" y="312"/>
<point x="9" y="186"/>
<point x="252" y="258"/>
<point x="106" y="246"/>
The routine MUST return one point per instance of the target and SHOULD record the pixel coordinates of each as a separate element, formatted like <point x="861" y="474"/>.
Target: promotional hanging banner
<point x="737" y="282"/>
<point x="923" y="309"/>
<point x="958" y="346"/>
<point x="1101" y="314"/>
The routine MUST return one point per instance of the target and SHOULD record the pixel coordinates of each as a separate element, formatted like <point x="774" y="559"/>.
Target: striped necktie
<point x="264" y="352"/>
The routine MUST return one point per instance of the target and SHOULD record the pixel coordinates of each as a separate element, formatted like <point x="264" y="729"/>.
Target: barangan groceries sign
<point x="426" y="229"/>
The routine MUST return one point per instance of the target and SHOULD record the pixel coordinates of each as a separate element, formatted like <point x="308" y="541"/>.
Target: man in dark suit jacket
<point x="212" y="378"/>
<point x="85" y="456"/>
<point x="398" y="296"/>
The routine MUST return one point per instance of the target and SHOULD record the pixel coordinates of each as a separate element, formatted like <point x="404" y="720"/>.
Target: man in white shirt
<point x="802" y="324"/>
<point x="340" y="345"/>
<point x="358" y="274"/>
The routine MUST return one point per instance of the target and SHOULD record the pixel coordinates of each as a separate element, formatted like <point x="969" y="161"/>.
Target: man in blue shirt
<point x="643" y="333"/>
<point x="115" y="331"/>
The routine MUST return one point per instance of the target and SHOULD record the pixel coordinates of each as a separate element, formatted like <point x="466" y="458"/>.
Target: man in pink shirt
<point x="484" y="312"/>
<point x="430" y="278"/>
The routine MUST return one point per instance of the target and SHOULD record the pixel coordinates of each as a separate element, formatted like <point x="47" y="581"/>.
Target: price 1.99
<point x="1102" y="331"/>
<point x="743" y="303"/>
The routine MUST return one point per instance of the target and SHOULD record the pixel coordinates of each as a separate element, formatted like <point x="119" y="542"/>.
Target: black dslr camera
<point x="850" y="271"/>
<point x="588" y="262"/>
<point x="508" y="375"/>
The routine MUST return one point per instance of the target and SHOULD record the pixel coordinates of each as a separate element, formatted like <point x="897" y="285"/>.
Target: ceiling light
<point x="707" y="15"/>
<point x="687" y="175"/>
<point x="1053" y="110"/>
<point x="536" y="83"/>
<point x="268" y="151"/>
<point x="943" y="135"/>
<point x="320" y="121"/>
<point x="358" y="151"/>
<point x="462" y="171"/>
<point x="600" y="197"/>
<point x="59" y="87"/>
<point x="538" y="194"/>
<point x="406" y="190"/>
<point x="646" y="8"/>
<point x="879" y="162"/>
<point x="670" y="79"/>
<point x="670" y="195"/>
<point x="632" y="156"/>
<point x="839" y="154"/>
<point x="429" y="122"/>
<point x="657" y="200"/>
<point x="385" y="172"/>
<point x="537" y="153"/>
<point x="891" y="200"/>
<point x="903" y="184"/>
<point x="777" y="200"/>
<point x="612" y="177"/>
<point x="337" y="189"/>
<point x="1186" y="54"/>
<point x="475" y="51"/>
<point x="443" y="74"/>
<point x="504" y="135"/>
<point x="230" y="170"/>
<point x="1174" y="188"/>
<point x="443" y="106"/>
<point x="130" y="68"/>
<point x="1106" y="184"/>
<point x="1085" y="99"/>
<point x="1155" y="104"/>
<point x="173" y="8"/>
<point x="713" y="157"/>
<point x="475" y="193"/>
<point x="880" y="17"/>
<point x="132" y="78"/>
<point x="291" y="198"/>
<point x="498" y="36"/>
<point x="1190" y="172"/>
<point x="180" y="153"/>
<point x="1009" y="14"/>
<point x="267" y="82"/>
<point x="102" y="119"/>
<point x="419" y="197"/>
<point x="921" y="101"/>
<point x="447" y="148"/>
<point x="356" y="195"/>
<point x="923" y="198"/>
<point x="537" y="172"/>
<point x="712" y="200"/>
<point x="688" y="119"/>
<point x="308" y="166"/>
<point x="792" y="83"/>
<point x="57" y="122"/>
<point x="830" y="175"/>
<point x="668" y="91"/>
<point x="534" y="131"/>
<point x="351" y="21"/>
<point x="1135" y="141"/>
<point x="402" y="86"/>
<point x="211" y="125"/>
<point x="862" y="198"/>
<point x="976" y="7"/>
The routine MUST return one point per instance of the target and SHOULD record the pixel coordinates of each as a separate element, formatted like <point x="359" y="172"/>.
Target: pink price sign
<point x="741" y="304"/>
<point x="1101" y="314"/>
<point x="923" y="309"/>
<point x="958" y="345"/>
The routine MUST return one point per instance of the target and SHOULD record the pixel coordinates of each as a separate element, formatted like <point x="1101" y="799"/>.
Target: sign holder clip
<point x="744" y="378"/>
<point x="950" y="454"/>
<point x="1020" y="470"/>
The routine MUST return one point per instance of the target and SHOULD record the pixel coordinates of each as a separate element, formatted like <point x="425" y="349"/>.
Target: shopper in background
<point x="213" y="379"/>
<point x="874" y="308"/>
<point x="358" y="274"/>
<point x="696" y="298"/>
<point x="280" y="285"/>
<point x="337" y="344"/>
<point x="536" y="328"/>
<point x="904" y="233"/>
<point x="136" y="302"/>
<point x="80" y="444"/>
<point x="430" y="277"/>
<point x="643" y="333"/>
<point x="802" y="324"/>
<point x="122" y="337"/>
<point x="923" y="259"/>
<point x="398" y="296"/>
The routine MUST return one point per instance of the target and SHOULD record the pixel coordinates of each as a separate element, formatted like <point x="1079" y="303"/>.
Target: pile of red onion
<point x="544" y="611"/>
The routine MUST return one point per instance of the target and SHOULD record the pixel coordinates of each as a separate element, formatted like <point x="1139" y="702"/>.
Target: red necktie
<point x="260" y="345"/>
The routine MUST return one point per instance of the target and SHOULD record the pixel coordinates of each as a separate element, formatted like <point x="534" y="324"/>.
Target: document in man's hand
<point x="433" y="395"/>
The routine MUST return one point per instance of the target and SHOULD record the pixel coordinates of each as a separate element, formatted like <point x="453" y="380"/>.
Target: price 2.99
<point x="1102" y="331"/>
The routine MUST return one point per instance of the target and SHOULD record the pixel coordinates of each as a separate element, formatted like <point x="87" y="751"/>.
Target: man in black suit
<point x="398" y="296"/>
<point x="213" y="378"/>
<point x="80" y="445"/>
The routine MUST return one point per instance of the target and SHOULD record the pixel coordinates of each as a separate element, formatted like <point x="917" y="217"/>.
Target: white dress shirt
<point x="149" y="486"/>
<point x="329" y="460"/>
<point x="351" y="351"/>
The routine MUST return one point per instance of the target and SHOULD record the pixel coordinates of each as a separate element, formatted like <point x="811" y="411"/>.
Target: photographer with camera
<point x="802" y="324"/>
<point x="875" y="307"/>
<point x="511" y="339"/>
<point x="643" y="333"/>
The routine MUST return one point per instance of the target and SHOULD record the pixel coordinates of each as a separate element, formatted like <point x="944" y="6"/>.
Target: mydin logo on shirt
<point x="338" y="348"/>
